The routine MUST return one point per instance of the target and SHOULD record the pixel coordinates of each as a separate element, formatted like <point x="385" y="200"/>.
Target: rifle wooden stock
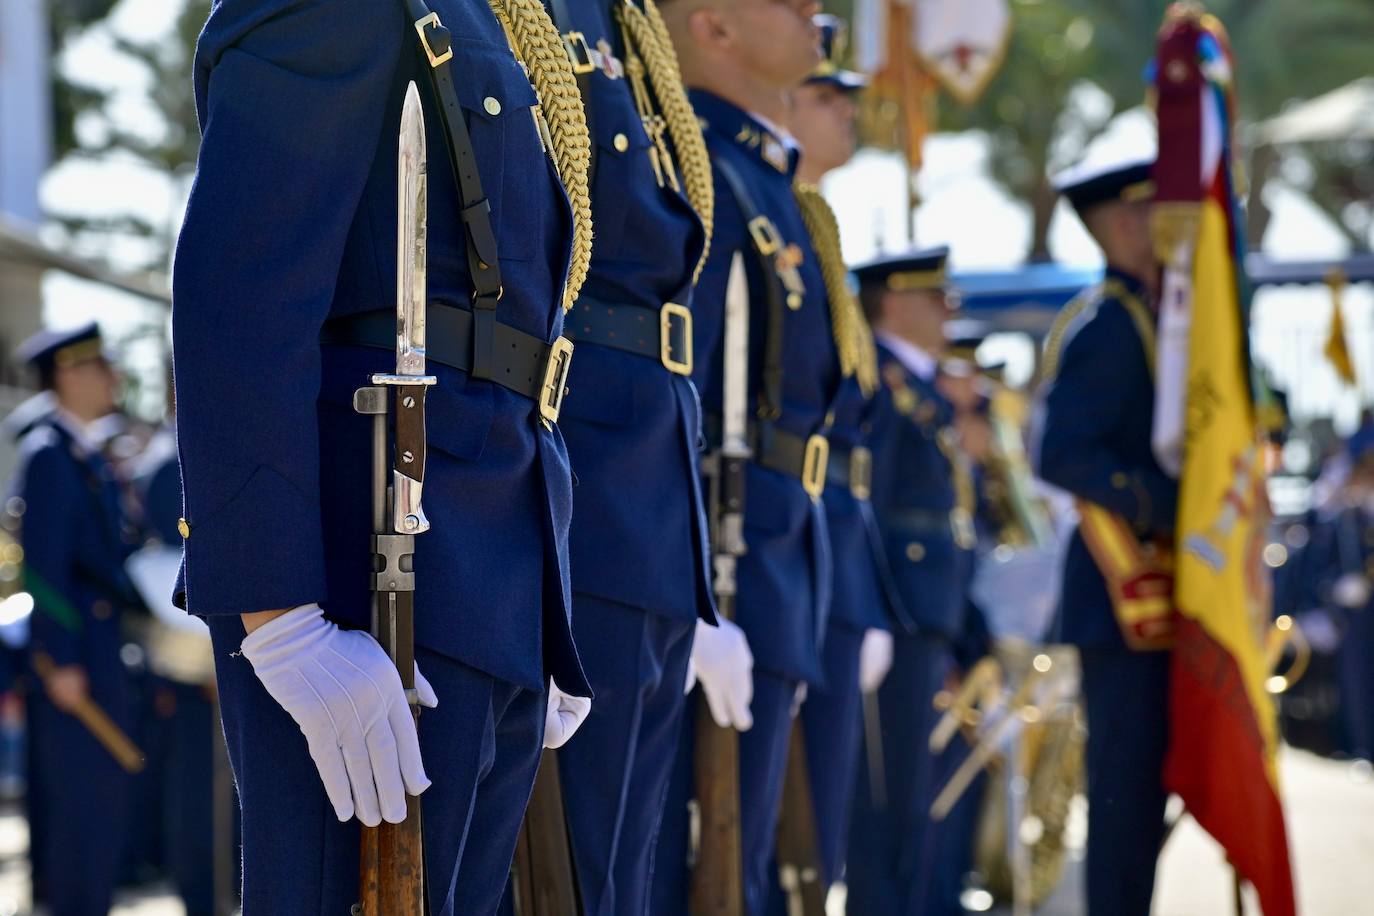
<point x="717" y="886"/>
<point x="393" y="855"/>
<point x="545" y="879"/>
<point x="799" y="855"/>
<point x="98" y="722"/>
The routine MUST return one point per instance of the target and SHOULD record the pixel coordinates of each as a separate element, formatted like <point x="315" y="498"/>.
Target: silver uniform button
<point x="492" y="106"/>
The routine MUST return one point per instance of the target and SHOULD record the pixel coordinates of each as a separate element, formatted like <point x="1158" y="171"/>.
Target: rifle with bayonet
<point x="717" y="885"/>
<point x="393" y="881"/>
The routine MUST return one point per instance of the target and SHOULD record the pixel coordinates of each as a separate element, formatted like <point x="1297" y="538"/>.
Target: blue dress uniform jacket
<point x="915" y="499"/>
<point x="1095" y="444"/>
<point x="74" y="544"/>
<point x="639" y="534"/>
<point x="784" y="578"/>
<point x="299" y="102"/>
<point x="864" y="593"/>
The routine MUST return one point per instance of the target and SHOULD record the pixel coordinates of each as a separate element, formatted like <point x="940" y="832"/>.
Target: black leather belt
<point x="665" y="336"/>
<point x="953" y="523"/>
<point x="851" y="469"/>
<point x="802" y="457"/>
<point x="523" y="363"/>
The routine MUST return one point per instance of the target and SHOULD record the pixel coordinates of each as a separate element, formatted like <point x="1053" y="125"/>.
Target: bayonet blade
<point x="412" y="213"/>
<point x="410" y="381"/>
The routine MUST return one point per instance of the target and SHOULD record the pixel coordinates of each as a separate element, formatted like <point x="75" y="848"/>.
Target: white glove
<point x="563" y="716"/>
<point x="721" y="660"/>
<point x="1351" y="591"/>
<point x="875" y="659"/>
<point x="344" y="693"/>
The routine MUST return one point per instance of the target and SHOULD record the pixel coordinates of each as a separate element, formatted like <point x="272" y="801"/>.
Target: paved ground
<point x="1331" y="825"/>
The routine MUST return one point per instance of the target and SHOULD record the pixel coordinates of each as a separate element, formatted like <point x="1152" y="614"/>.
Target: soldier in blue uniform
<point x="283" y="305"/>
<point x="1096" y="445"/>
<point x="924" y="501"/>
<point x="638" y="541"/>
<point x="741" y="60"/>
<point x="863" y="606"/>
<point x="75" y="541"/>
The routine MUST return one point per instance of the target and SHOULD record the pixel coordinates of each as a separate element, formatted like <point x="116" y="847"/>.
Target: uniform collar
<point x="750" y="132"/>
<point x="79" y="432"/>
<point x="1130" y="281"/>
<point x="917" y="361"/>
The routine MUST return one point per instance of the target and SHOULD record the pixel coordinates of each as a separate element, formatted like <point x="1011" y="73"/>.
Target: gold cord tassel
<point x="538" y="46"/>
<point x="650" y="37"/>
<point x="853" y="336"/>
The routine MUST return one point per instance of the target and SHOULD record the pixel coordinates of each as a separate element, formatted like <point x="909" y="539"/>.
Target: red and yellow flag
<point x="1223" y="728"/>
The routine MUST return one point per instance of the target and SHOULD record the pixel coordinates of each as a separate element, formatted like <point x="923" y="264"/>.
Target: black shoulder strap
<point x="484" y="265"/>
<point x="582" y="71"/>
<point x="761" y="230"/>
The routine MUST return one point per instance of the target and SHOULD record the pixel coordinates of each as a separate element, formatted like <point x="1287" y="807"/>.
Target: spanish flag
<point x="1223" y="729"/>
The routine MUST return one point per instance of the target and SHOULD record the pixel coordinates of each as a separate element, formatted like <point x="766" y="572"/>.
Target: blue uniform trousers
<point x="763" y="764"/>
<point x="83" y="794"/>
<point x="481" y="749"/>
<point x="888" y="838"/>
<point x="616" y="769"/>
<point x="1127" y="698"/>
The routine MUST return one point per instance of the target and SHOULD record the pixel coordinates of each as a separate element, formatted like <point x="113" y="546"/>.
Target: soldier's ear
<point x="710" y="27"/>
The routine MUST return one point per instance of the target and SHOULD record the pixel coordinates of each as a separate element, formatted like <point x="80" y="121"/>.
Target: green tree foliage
<point x="167" y="147"/>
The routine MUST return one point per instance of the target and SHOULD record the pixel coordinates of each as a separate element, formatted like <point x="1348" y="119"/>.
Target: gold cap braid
<point x="538" y="46"/>
<point x="650" y="34"/>
<point x="853" y="336"/>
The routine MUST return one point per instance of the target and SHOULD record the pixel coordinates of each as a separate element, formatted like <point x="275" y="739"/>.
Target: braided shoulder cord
<point x="650" y="35"/>
<point x="853" y="336"/>
<point x="537" y="45"/>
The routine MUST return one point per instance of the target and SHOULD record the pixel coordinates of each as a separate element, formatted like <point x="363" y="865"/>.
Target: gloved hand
<point x="344" y="693"/>
<point x="721" y="660"/>
<point x="564" y="716"/>
<point x="875" y="659"/>
<point x="1351" y="591"/>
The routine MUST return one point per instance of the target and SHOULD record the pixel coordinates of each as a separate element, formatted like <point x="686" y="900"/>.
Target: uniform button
<point x="101" y="609"/>
<point x="622" y="142"/>
<point x="915" y="552"/>
<point x="1119" y="480"/>
<point x="183" y="528"/>
<point x="492" y="106"/>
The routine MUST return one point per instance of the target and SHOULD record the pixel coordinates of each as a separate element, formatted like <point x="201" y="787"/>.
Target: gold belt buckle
<point x="861" y="472"/>
<point x="666" y="315"/>
<point x="428" y="22"/>
<point x="577" y="41"/>
<point x="555" y="380"/>
<point x="814" y="461"/>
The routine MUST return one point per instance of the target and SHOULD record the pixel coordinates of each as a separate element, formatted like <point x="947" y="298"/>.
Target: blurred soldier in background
<point x="74" y="537"/>
<point x="924" y="498"/>
<point x="1099" y="364"/>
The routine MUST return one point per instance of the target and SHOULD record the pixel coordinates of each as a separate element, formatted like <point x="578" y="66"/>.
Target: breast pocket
<point x="623" y="168"/>
<point x="498" y="104"/>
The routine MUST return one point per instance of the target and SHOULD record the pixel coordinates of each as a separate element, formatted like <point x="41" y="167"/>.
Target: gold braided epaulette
<point x="853" y="336"/>
<point x="539" y="48"/>
<point x="649" y="33"/>
<point x="1139" y="313"/>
